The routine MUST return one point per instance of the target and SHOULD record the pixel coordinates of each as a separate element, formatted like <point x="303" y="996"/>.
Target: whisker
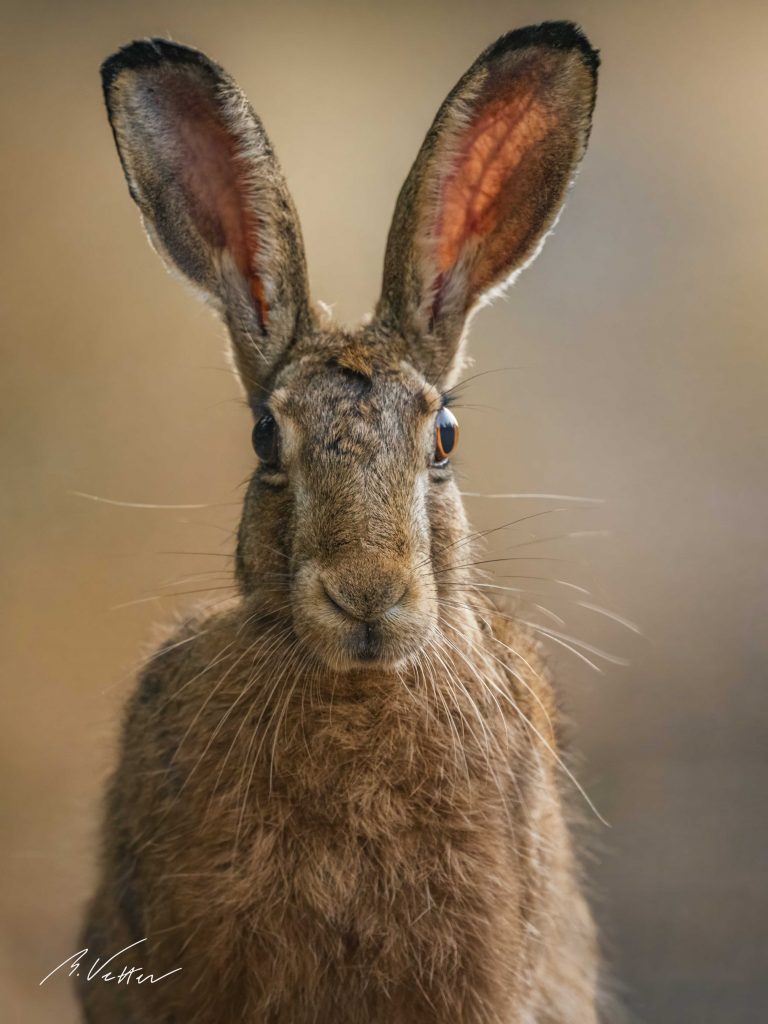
<point x="560" y="536"/>
<point x="561" y="764"/>
<point x="545" y="497"/>
<point x="486" y="533"/>
<point x="612" y="658"/>
<point x="632" y="626"/>
<point x="146" y="504"/>
<point x="521" y="678"/>
<point x="514" y="558"/>
<point x="202" y="554"/>
<point x="477" y="376"/>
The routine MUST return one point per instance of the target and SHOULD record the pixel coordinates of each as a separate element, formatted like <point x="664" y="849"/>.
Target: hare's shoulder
<point x="515" y="644"/>
<point x="186" y="648"/>
<point x="155" y="713"/>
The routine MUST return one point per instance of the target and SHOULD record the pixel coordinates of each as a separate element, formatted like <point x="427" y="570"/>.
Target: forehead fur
<point x="350" y="362"/>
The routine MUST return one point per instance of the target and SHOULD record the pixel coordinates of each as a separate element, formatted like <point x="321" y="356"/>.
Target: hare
<point x="337" y="799"/>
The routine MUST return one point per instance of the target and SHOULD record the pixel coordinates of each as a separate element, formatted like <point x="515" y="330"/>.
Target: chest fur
<point x="374" y="840"/>
<point x="366" y="819"/>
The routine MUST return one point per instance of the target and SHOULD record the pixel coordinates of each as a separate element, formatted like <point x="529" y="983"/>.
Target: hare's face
<point x="349" y="475"/>
<point x="348" y="525"/>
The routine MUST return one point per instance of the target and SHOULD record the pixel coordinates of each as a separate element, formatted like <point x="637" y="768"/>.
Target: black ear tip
<point x="554" y="35"/>
<point x="150" y="53"/>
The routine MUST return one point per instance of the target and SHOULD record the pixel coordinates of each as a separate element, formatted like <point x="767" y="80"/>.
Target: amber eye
<point x="446" y="436"/>
<point x="266" y="440"/>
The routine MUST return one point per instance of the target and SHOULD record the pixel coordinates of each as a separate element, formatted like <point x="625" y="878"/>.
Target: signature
<point x="98" y="969"/>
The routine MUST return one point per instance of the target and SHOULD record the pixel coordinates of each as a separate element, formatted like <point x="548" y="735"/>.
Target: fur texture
<point x="337" y="798"/>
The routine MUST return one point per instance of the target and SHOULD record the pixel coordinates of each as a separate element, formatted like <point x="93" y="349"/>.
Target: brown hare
<point x="337" y="799"/>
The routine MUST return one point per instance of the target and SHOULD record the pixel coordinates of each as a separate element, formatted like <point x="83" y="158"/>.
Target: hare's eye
<point x="266" y="440"/>
<point x="446" y="436"/>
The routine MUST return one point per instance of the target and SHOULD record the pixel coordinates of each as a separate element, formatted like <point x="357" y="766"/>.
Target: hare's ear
<point x="487" y="186"/>
<point x="213" y="199"/>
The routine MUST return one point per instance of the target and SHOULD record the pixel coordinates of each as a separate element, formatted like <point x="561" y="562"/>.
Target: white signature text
<point x="98" y="969"/>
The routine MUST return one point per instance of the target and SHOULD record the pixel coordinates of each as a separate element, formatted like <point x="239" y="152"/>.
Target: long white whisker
<point x="546" y="497"/>
<point x="561" y="764"/>
<point x="546" y="630"/>
<point x="632" y="626"/>
<point x="139" y="504"/>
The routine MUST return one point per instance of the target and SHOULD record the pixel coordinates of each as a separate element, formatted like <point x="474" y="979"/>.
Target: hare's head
<point x="352" y="517"/>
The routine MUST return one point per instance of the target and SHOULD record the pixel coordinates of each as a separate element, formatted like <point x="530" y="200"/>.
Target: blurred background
<point x="628" y="364"/>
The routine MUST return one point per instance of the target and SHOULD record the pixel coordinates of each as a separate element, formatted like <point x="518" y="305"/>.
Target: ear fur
<point x="212" y="196"/>
<point x="487" y="186"/>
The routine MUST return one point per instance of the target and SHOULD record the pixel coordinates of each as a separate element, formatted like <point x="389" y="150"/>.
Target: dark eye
<point x="446" y="436"/>
<point x="266" y="440"/>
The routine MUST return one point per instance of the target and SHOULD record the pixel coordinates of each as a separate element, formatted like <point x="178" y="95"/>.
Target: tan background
<point x="638" y="374"/>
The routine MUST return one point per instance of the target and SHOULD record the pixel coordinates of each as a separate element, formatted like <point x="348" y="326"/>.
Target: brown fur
<point x="337" y="798"/>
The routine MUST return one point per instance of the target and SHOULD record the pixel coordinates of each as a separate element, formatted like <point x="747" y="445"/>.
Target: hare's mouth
<point x="347" y="631"/>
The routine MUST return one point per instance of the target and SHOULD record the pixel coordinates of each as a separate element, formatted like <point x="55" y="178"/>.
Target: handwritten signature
<point x="98" y="969"/>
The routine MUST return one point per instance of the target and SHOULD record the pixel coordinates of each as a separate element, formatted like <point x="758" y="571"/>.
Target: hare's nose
<point x="366" y="603"/>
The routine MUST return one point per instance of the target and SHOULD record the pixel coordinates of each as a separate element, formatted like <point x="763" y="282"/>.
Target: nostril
<point x="395" y="601"/>
<point x="338" y="605"/>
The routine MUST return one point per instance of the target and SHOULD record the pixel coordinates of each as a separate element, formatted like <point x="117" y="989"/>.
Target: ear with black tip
<point x="211" y="193"/>
<point x="487" y="185"/>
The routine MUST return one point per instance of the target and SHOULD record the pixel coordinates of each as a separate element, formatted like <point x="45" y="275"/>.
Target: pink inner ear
<point x="475" y="200"/>
<point x="214" y="180"/>
<point x="499" y="140"/>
